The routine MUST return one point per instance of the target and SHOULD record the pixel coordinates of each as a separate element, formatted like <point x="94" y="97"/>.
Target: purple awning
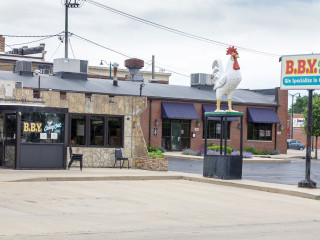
<point x="262" y="115"/>
<point x="212" y="108"/>
<point x="178" y="111"/>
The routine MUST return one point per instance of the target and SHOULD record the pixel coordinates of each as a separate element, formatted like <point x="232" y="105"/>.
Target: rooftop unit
<point x="201" y="79"/>
<point x="70" y="68"/>
<point x="24" y="68"/>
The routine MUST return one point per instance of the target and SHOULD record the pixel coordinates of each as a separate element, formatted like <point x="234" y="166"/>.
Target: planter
<point x="151" y="163"/>
<point x="223" y="167"/>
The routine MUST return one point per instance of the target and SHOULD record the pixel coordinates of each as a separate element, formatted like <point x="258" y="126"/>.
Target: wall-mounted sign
<point x="298" y="122"/>
<point x="155" y="131"/>
<point x="53" y="127"/>
<point x="300" y="72"/>
<point x="196" y="129"/>
<point x="32" y="127"/>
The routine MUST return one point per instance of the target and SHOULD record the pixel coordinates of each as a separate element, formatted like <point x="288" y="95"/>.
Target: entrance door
<point x="176" y="136"/>
<point x="8" y="142"/>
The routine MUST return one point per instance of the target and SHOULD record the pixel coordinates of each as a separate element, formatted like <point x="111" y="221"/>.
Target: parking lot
<point x="283" y="173"/>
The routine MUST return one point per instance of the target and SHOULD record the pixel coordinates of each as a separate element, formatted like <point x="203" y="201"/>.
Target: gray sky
<point x="281" y="27"/>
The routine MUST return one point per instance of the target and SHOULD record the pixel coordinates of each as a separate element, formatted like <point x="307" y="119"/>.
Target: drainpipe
<point x="150" y="115"/>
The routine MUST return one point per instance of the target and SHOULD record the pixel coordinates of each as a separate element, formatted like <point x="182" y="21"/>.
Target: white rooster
<point x="226" y="82"/>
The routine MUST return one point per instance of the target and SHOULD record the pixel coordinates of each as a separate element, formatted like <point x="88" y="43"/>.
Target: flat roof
<point x="130" y="88"/>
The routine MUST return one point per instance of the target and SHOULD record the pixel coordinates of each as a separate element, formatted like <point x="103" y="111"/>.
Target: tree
<point x="315" y="120"/>
<point x="300" y="104"/>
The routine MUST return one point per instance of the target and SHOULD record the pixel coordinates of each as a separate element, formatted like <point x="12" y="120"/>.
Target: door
<point x="9" y="140"/>
<point x="176" y="136"/>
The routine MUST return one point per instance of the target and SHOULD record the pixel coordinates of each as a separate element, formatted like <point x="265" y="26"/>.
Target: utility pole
<point x="69" y="4"/>
<point x="66" y="31"/>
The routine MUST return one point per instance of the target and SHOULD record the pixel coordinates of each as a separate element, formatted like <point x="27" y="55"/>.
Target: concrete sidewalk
<point x="111" y="174"/>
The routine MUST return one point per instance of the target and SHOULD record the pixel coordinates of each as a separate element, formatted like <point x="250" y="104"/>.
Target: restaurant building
<point x="42" y="115"/>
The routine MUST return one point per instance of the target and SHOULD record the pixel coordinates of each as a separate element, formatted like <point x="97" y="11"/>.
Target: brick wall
<point x="198" y="141"/>
<point x="299" y="133"/>
<point x="2" y="43"/>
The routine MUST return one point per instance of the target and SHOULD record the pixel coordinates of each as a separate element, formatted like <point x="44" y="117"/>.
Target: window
<point x="115" y="131"/>
<point x="37" y="127"/>
<point x="78" y="124"/>
<point x="214" y="129"/>
<point x="259" y="131"/>
<point x="96" y="130"/>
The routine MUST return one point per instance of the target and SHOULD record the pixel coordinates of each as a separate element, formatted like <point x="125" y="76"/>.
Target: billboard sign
<point x="300" y="72"/>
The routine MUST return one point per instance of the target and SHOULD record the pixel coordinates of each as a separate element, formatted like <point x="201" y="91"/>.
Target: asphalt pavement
<point x="282" y="173"/>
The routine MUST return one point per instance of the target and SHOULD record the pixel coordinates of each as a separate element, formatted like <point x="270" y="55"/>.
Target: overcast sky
<point x="281" y="27"/>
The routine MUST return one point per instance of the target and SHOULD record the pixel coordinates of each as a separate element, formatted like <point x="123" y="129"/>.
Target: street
<point x="284" y="173"/>
<point x="167" y="209"/>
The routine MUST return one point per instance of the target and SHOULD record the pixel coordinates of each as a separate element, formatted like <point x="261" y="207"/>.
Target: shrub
<point x="247" y="155"/>
<point x="217" y="148"/>
<point x="210" y="144"/>
<point x="188" y="151"/>
<point x="157" y="154"/>
<point x="274" y="152"/>
<point x="155" y="149"/>
<point x="251" y="150"/>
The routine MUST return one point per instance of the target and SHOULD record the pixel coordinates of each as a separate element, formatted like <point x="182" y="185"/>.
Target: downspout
<point x="150" y="114"/>
<point x="277" y="100"/>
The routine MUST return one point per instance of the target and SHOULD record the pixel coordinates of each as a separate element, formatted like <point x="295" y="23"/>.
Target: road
<point x="158" y="210"/>
<point x="284" y="173"/>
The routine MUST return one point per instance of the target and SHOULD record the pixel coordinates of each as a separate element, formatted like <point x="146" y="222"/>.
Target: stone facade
<point x="134" y="146"/>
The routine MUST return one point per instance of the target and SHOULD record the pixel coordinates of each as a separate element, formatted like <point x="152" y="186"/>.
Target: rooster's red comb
<point x="232" y="50"/>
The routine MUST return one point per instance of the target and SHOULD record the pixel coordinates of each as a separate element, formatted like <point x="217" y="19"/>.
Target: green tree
<point x="301" y="103"/>
<point x="315" y="120"/>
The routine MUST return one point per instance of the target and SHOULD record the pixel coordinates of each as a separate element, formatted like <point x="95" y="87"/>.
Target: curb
<point x="227" y="183"/>
<point x="245" y="160"/>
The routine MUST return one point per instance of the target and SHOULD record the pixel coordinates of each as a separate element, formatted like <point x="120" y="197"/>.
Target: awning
<point x="212" y="108"/>
<point x="262" y="115"/>
<point x="178" y="111"/>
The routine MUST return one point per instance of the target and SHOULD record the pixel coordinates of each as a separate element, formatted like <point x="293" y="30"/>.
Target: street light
<point x="292" y="95"/>
<point x="101" y="63"/>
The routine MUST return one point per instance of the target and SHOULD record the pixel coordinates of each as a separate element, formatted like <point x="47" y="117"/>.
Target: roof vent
<point x="24" y="68"/>
<point x="134" y="65"/>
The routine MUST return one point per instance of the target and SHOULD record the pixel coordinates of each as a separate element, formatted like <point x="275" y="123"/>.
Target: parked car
<point x="295" y="144"/>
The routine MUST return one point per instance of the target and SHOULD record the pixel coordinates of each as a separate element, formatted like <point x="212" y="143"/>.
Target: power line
<point x="54" y="52"/>
<point x="185" y="34"/>
<point x="71" y="49"/>
<point x="122" y="54"/>
<point x="31" y="41"/>
<point x="31" y="36"/>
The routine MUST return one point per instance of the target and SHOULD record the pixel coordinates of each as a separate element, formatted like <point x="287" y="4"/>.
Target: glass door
<point x="176" y="136"/>
<point x="9" y="140"/>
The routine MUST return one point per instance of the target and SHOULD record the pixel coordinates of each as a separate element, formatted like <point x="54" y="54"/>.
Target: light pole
<point x="292" y="95"/>
<point x="101" y="63"/>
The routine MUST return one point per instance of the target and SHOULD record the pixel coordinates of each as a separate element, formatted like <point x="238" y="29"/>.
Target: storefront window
<point x="96" y="130"/>
<point x="115" y="131"/>
<point x="214" y="129"/>
<point x="78" y="130"/>
<point x="259" y="131"/>
<point x="39" y="127"/>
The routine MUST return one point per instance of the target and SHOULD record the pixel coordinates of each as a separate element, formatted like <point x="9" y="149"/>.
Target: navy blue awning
<point x="178" y="111"/>
<point x="262" y="115"/>
<point x="212" y="108"/>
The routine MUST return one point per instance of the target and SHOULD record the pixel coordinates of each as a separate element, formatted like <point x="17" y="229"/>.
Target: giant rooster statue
<point x="226" y="82"/>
